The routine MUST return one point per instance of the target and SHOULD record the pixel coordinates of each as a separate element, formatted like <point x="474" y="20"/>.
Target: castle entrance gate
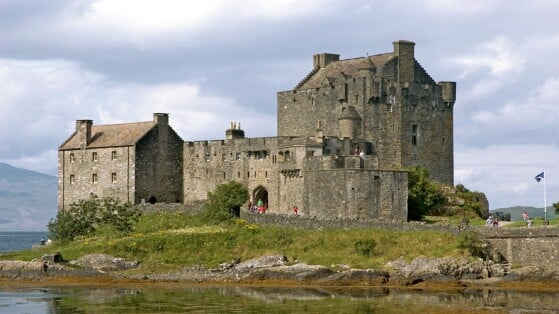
<point x="260" y="193"/>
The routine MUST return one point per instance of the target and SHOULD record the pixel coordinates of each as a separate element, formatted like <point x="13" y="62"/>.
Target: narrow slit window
<point x="414" y="134"/>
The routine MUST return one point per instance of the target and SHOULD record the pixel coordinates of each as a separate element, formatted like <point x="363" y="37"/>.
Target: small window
<point x="224" y="157"/>
<point x="207" y="157"/>
<point x="72" y="179"/>
<point x="113" y="155"/>
<point x="94" y="178"/>
<point x="94" y="156"/>
<point x="72" y="157"/>
<point x="238" y="156"/>
<point x="113" y="177"/>
<point x="414" y="134"/>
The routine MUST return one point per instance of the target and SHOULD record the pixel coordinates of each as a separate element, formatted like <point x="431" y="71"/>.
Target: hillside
<point x="28" y="199"/>
<point x="516" y="212"/>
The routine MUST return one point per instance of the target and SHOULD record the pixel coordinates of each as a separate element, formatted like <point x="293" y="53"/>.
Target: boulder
<point x="261" y="262"/>
<point x="357" y="277"/>
<point x="297" y="272"/>
<point x="104" y="262"/>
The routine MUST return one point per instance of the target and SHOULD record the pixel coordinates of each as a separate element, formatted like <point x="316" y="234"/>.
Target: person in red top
<point x="295" y="210"/>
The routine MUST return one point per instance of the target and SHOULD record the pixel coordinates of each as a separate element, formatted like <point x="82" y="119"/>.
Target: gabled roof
<point x="111" y="135"/>
<point x="348" y="67"/>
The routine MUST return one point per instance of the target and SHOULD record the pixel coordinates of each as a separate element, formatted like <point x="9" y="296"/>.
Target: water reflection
<point x="271" y="300"/>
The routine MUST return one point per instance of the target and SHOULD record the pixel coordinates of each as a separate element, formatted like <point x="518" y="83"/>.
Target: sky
<point x="208" y="63"/>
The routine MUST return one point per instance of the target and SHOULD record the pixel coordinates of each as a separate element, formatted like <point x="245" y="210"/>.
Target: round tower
<point x="349" y="123"/>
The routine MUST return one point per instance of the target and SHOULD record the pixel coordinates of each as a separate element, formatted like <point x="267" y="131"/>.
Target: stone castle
<point x="345" y="135"/>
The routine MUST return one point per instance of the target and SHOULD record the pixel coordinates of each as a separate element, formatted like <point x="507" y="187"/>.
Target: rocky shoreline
<point x="277" y="269"/>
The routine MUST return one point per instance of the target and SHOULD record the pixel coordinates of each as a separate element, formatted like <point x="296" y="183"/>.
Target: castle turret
<point x="404" y="50"/>
<point x="323" y="59"/>
<point x="234" y="132"/>
<point x="349" y="123"/>
<point x="448" y="92"/>
<point x="83" y="129"/>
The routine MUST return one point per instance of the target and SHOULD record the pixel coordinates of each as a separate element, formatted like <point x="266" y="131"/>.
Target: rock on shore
<point x="276" y="268"/>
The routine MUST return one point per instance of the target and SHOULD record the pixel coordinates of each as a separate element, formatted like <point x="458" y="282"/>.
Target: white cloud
<point x="460" y="7"/>
<point x="491" y="65"/>
<point x="538" y="109"/>
<point x="499" y="57"/>
<point x="506" y="173"/>
<point x="60" y="92"/>
<point x="143" y="19"/>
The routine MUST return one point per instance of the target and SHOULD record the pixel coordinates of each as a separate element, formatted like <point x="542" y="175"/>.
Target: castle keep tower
<point x="387" y="102"/>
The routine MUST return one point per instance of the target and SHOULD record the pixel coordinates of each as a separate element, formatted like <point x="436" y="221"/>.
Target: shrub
<point x="471" y="242"/>
<point x="423" y="194"/>
<point x="365" y="247"/>
<point x="226" y="200"/>
<point x="86" y="216"/>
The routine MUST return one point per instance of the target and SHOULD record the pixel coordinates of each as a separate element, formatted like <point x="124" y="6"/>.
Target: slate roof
<point x="349" y="67"/>
<point x="111" y="135"/>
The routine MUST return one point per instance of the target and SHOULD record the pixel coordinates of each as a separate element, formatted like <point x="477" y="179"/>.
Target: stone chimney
<point x="323" y="59"/>
<point x="161" y="118"/>
<point x="404" y="50"/>
<point x="234" y="132"/>
<point x="83" y="129"/>
<point x="162" y="121"/>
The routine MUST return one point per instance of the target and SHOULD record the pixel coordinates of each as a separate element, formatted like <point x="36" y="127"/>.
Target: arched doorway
<point x="260" y="193"/>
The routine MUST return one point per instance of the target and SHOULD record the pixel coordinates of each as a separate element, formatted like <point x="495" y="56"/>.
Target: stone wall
<point x="525" y="246"/>
<point x="189" y="208"/>
<point x="312" y="223"/>
<point x="159" y="166"/>
<point x="357" y="194"/>
<point x="101" y="171"/>
<point x="250" y="161"/>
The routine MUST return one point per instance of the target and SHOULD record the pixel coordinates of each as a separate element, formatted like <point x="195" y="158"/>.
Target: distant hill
<point x="28" y="199"/>
<point x="516" y="212"/>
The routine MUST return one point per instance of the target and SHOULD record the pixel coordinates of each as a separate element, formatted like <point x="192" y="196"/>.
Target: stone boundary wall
<point x="536" y="246"/>
<point x="309" y="223"/>
<point x="189" y="208"/>
<point x="523" y="232"/>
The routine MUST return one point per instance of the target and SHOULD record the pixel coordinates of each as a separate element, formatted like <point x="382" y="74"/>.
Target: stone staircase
<point x="507" y="267"/>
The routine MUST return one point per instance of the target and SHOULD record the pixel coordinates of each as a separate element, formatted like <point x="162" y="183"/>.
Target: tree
<point x="226" y="201"/>
<point x="86" y="216"/>
<point x="423" y="194"/>
<point x="556" y="206"/>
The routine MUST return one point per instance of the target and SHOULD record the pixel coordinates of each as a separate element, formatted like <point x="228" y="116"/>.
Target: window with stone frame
<point x="94" y="178"/>
<point x="72" y="179"/>
<point x="72" y="157"/>
<point x="113" y="177"/>
<point x="113" y="155"/>
<point x="94" y="156"/>
<point x="414" y="134"/>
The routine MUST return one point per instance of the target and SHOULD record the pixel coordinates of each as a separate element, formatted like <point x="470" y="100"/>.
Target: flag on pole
<point x="539" y="177"/>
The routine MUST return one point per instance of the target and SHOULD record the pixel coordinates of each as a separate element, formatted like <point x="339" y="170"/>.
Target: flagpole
<point x="544" y="199"/>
